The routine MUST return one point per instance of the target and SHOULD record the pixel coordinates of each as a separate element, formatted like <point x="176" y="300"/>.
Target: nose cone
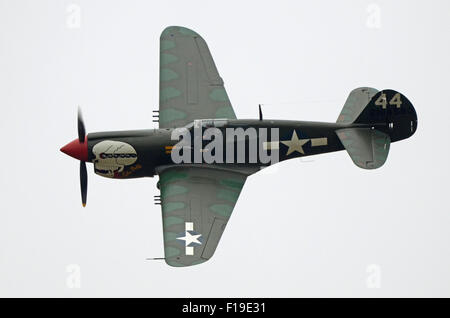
<point x="77" y="149"/>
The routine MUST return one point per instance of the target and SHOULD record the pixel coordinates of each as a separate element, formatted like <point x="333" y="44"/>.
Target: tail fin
<point x="375" y="119"/>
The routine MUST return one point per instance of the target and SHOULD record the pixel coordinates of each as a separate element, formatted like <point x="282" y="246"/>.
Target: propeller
<point x="83" y="171"/>
<point x="81" y="128"/>
<point x="83" y="182"/>
<point x="78" y="149"/>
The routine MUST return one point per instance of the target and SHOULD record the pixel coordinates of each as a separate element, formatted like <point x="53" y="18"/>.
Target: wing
<point x="197" y="203"/>
<point x="189" y="84"/>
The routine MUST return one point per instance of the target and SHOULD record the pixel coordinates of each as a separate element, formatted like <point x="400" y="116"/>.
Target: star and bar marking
<point x="296" y="144"/>
<point x="190" y="238"/>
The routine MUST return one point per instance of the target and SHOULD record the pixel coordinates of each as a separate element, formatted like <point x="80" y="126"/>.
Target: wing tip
<point x="178" y="262"/>
<point x="174" y="30"/>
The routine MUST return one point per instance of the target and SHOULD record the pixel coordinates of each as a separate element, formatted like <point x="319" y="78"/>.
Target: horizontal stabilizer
<point x="367" y="147"/>
<point x="355" y="104"/>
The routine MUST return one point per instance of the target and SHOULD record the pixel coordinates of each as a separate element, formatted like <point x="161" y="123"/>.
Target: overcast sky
<point x="314" y="227"/>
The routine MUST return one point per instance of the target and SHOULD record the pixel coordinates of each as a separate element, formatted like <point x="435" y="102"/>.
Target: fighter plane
<point x="203" y="154"/>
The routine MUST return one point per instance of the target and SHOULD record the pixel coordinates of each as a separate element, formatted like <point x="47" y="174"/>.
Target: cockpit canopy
<point x="208" y="123"/>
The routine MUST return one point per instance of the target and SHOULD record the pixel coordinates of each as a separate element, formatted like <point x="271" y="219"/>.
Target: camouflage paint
<point x="166" y="45"/>
<point x="167" y="74"/>
<point x="187" y="31"/>
<point x="170" y="236"/>
<point x="356" y="102"/>
<point x="171" y="176"/>
<point x="232" y="183"/>
<point x="171" y="190"/>
<point x="173" y="206"/>
<point x="228" y="195"/>
<point x="222" y="209"/>
<point x="166" y="59"/>
<point x="225" y="112"/>
<point x="168" y="93"/>
<point x="190" y="78"/>
<point x="203" y="197"/>
<point x="367" y="147"/>
<point x="172" y="220"/>
<point x="179" y="207"/>
<point x="170" y="114"/>
<point x="219" y="95"/>
<point x="171" y="251"/>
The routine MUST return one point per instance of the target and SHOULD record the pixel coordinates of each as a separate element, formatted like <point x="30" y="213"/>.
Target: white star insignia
<point x="295" y="144"/>
<point x="188" y="238"/>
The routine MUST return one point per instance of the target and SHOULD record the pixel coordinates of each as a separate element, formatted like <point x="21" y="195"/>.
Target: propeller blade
<point x="260" y="113"/>
<point x="83" y="182"/>
<point x="81" y="128"/>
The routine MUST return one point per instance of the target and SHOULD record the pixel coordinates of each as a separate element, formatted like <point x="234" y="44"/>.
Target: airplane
<point x="198" y="186"/>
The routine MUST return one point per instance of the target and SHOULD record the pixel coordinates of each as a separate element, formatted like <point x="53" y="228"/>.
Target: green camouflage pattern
<point x="367" y="147"/>
<point x="197" y="200"/>
<point x="202" y="196"/>
<point x="355" y="104"/>
<point x="190" y="85"/>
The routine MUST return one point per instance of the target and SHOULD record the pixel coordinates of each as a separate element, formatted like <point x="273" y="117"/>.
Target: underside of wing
<point x="190" y="85"/>
<point x="197" y="203"/>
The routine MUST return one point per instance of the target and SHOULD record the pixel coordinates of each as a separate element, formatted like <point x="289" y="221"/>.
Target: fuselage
<point x="137" y="153"/>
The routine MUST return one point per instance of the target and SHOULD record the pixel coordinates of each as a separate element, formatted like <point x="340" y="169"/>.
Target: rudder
<point x="391" y="112"/>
